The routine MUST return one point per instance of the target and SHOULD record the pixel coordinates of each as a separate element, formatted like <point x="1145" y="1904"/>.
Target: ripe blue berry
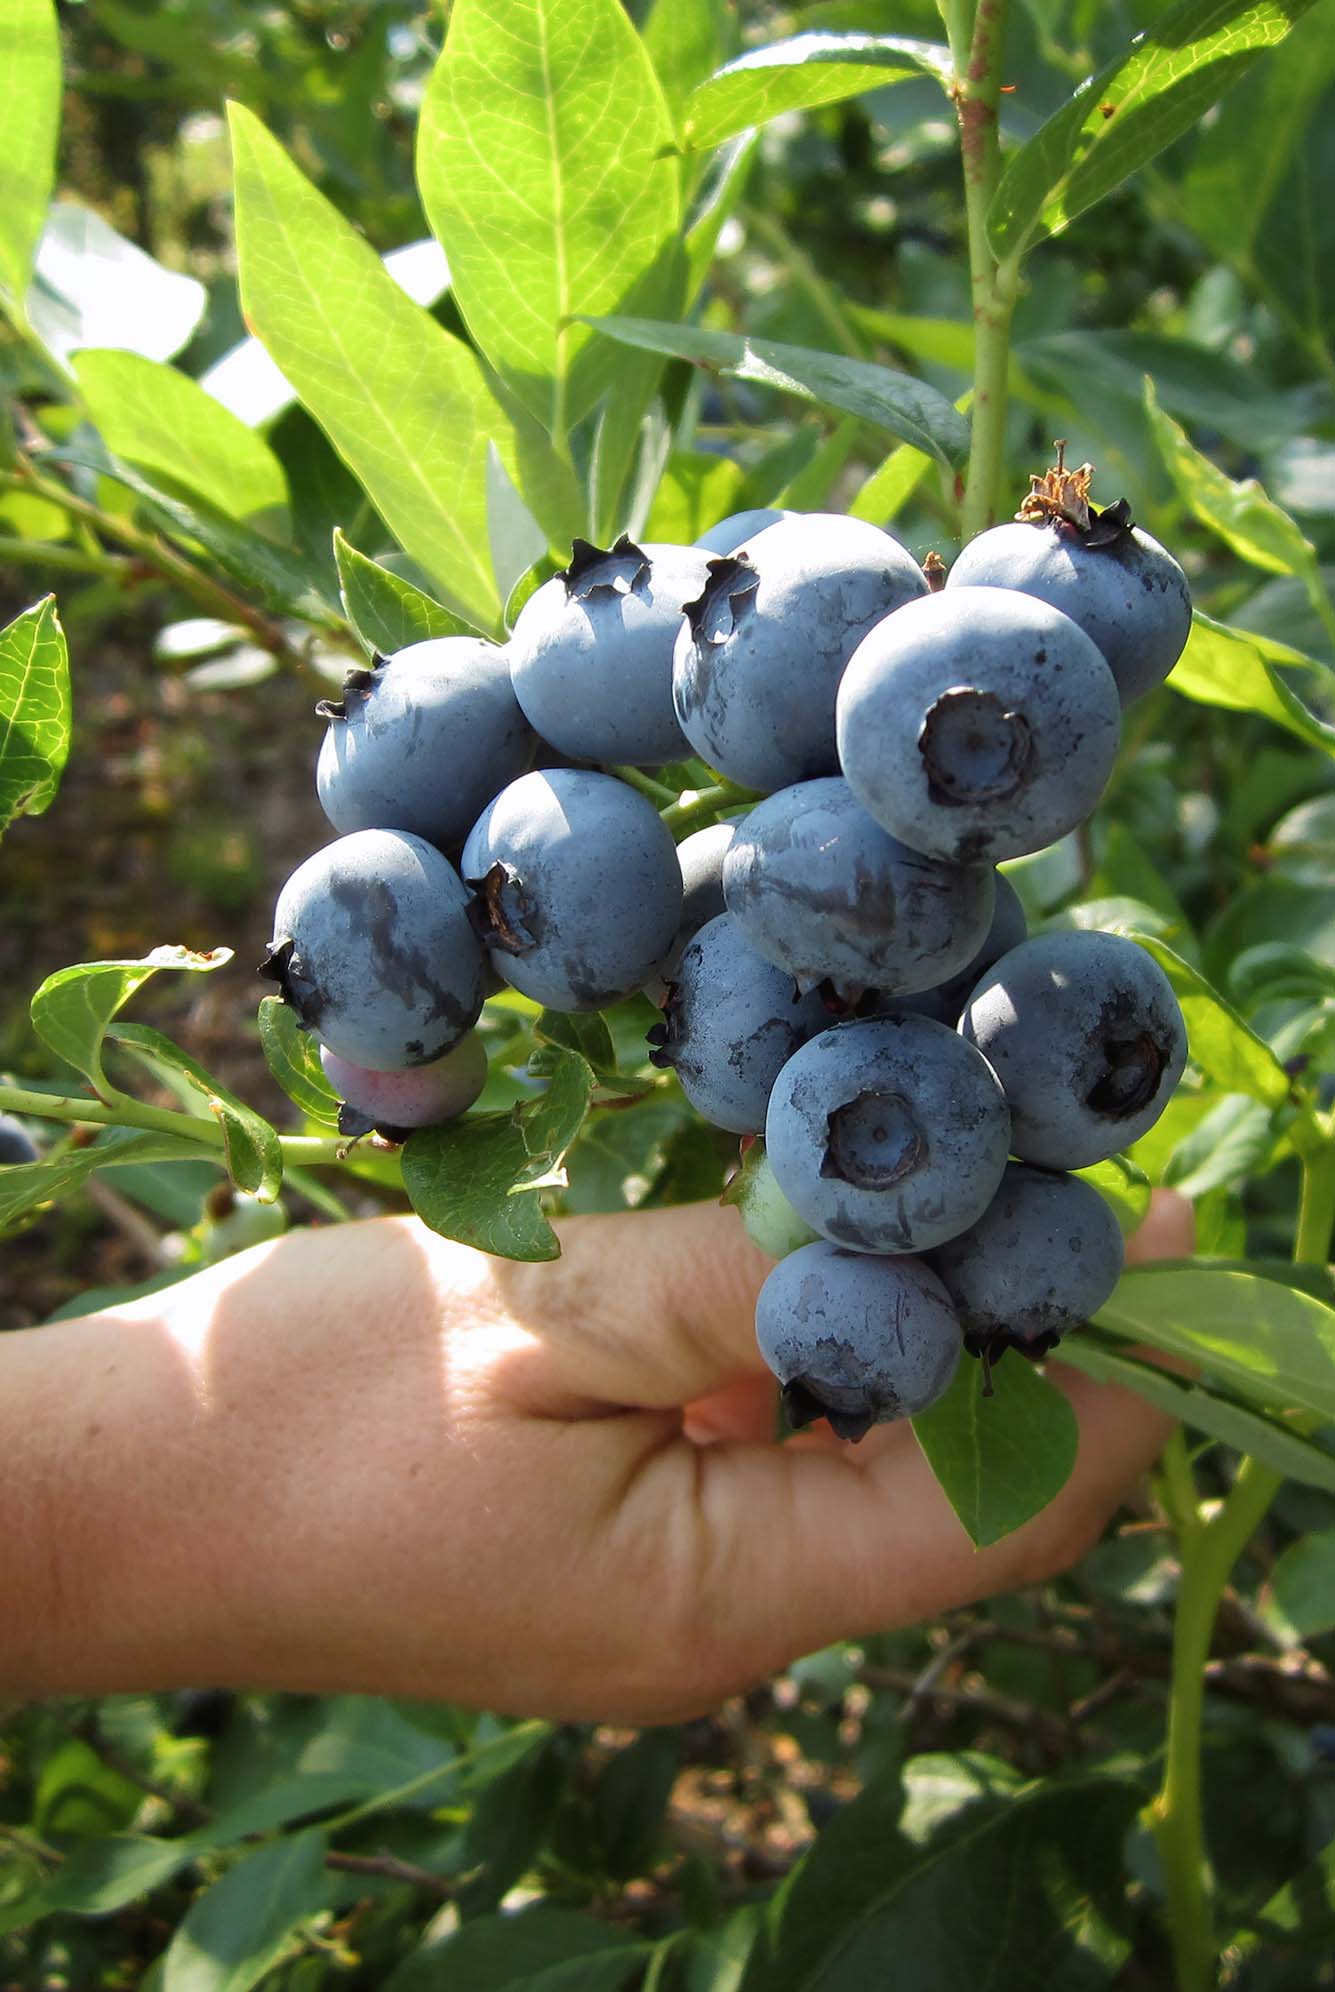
<point x="764" y="644"/>
<point x="16" y="1144"/>
<point x="1045" y="1255"/>
<point x="701" y="858"/>
<point x="888" y="1134"/>
<point x="821" y="890"/>
<point x="591" y="652"/>
<point x="1085" y="1034"/>
<point x="947" y="999"/>
<point x="579" y="887"/>
<point x="856" y="1339"/>
<point x="422" y="741"/>
<point x="730" y="1021"/>
<point x="738" y="527"/>
<point x="978" y="724"/>
<point x="1126" y="592"/>
<point x="395" y="1102"/>
<point x="374" y="950"/>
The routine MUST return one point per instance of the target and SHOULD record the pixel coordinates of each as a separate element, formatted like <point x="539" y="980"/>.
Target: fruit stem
<point x="156" y="554"/>
<point x="976" y="37"/>
<point x="700" y="806"/>
<point x="658" y="792"/>
<point x="1207" y="1551"/>
<point x="124" y="1111"/>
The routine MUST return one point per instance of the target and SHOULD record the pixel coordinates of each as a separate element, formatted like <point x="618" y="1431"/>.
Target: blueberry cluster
<point x="841" y="969"/>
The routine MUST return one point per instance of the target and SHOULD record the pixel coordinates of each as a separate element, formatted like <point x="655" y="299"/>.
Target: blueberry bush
<point x="632" y="424"/>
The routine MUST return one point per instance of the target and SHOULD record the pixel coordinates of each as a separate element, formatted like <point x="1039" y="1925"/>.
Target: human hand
<point x="361" y="1458"/>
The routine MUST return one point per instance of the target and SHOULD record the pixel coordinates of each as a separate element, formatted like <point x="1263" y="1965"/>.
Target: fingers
<point x="801" y="1545"/>
<point x="1168" y="1232"/>
<point x="647" y="1308"/>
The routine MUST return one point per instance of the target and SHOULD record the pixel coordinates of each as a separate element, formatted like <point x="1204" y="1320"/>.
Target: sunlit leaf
<point x="542" y="156"/>
<point x="30" y="91"/>
<point x="1130" y="110"/>
<point x="34" y="711"/>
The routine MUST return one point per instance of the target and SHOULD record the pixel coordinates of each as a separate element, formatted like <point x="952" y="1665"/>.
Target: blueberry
<point x="888" y="1134"/>
<point x="591" y="652"/>
<point x="947" y="999"/>
<point x="978" y="724"/>
<point x="738" y="527"/>
<point x="374" y="949"/>
<point x="579" y="885"/>
<point x="1045" y="1255"/>
<point x="731" y="1020"/>
<point x="819" y="889"/>
<point x="1084" y="1032"/>
<point x="856" y="1339"/>
<point x="16" y="1144"/>
<point x="701" y="858"/>
<point x="395" y="1102"/>
<point x="421" y="742"/>
<point x="1126" y="592"/>
<point x="763" y="647"/>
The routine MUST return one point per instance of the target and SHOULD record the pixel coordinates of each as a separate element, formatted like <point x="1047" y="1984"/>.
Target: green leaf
<point x="998" y="1459"/>
<point x="160" y="420"/>
<point x="34" y="710"/>
<point x="407" y="406"/>
<point x="1205" y="1410"/>
<point x="511" y="1818"/>
<point x="30" y="90"/>
<point x="1245" y="518"/>
<point x="102" y="1876"/>
<point x="896" y="402"/>
<point x="1299" y="1597"/>
<point x="81" y="1795"/>
<point x="542" y="157"/>
<point x="686" y="41"/>
<point x="293" y="1058"/>
<point x="1222" y="1044"/>
<point x="245" y="1923"/>
<point x="478" y="1179"/>
<point x="1263" y="208"/>
<point x="71" y="1010"/>
<point x="696" y="490"/>
<point x="802" y="74"/>
<point x="1271" y="1344"/>
<point x="1232" y="1142"/>
<point x="386" y="611"/>
<point x="883" y="496"/>
<point x="630" y="1803"/>
<point x="31" y="1186"/>
<point x="544" y="1949"/>
<point x="1035" y="1896"/>
<point x="1239" y="671"/>
<point x="1122" y="1183"/>
<point x="858" y="1854"/>
<point x="278" y="574"/>
<point x="250" y="1146"/>
<point x="1130" y="110"/>
<point x="584" y="1032"/>
<point x="1299" y="1919"/>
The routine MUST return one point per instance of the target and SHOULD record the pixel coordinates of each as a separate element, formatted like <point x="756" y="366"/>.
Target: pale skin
<point x="364" y="1459"/>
